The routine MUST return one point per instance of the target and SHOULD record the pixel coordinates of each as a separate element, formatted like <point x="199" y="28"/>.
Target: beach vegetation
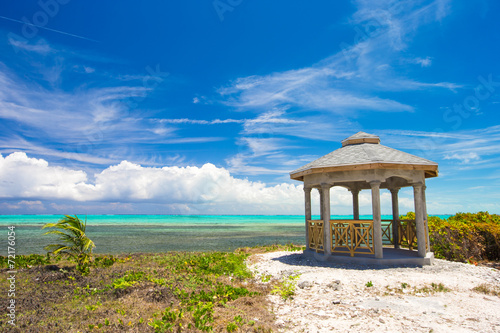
<point x="487" y="289"/>
<point x="162" y="292"/>
<point x="104" y="261"/>
<point x="266" y="278"/>
<point x="26" y="261"/>
<point x="231" y="327"/>
<point x="464" y="237"/>
<point x="427" y="289"/>
<point x="369" y="284"/>
<point x="290" y="247"/>
<point x="74" y="241"/>
<point x="286" y="287"/>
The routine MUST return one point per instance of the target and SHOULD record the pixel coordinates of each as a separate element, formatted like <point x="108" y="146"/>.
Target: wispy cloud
<point x="260" y="156"/>
<point x="348" y="81"/>
<point x="199" y="121"/>
<point x="463" y="158"/>
<point x="477" y="148"/>
<point x="40" y="47"/>
<point x="77" y="123"/>
<point x="270" y="117"/>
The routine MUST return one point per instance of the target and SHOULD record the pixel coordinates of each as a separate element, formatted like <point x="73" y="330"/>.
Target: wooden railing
<point x="352" y="236"/>
<point x="407" y="233"/>
<point x="316" y="235"/>
<point x="356" y="236"/>
<point x="387" y="238"/>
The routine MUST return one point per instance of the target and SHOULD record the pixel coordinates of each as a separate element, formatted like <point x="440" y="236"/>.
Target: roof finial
<point x="360" y="137"/>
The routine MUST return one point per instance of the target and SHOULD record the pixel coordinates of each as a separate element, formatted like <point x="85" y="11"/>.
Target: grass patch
<point x="405" y="288"/>
<point x="167" y="292"/>
<point x="487" y="289"/>
<point x="286" y="287"/>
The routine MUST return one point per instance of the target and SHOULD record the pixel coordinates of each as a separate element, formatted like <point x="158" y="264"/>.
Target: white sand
<point x="338" y="299"/>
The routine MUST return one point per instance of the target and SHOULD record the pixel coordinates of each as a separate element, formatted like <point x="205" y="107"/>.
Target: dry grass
<point x="487" y="289"/>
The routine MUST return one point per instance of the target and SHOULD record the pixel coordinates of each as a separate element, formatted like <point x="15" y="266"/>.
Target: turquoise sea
<point x="115" y="234"/>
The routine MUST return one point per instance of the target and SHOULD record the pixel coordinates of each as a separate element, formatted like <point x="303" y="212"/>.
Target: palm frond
<point x="71" y="231"/>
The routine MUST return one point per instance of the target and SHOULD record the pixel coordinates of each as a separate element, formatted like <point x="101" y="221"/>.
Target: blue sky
<point x="185" y="107"/>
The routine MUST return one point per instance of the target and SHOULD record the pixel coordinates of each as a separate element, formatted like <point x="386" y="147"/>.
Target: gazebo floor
<point x="392" y="257"/>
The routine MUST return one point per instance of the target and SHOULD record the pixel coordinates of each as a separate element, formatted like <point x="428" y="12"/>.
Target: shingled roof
<point x="363" y="151"/>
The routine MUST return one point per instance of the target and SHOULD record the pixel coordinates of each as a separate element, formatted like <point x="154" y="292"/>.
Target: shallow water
<point x="160" y="233"/>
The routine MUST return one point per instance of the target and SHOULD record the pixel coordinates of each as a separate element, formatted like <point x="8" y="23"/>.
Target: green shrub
<point x="286" y="288"/>
<point x="26" y="261"/>
<point x="127" y="280"/>
<point x="105" y="261"/>
<point x="464" y="236"/>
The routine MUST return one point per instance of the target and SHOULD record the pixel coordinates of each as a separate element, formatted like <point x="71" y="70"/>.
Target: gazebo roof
<point x="363" y="151"/>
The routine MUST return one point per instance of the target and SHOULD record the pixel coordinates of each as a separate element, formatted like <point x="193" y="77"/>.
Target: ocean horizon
<point x="120" y="233"/>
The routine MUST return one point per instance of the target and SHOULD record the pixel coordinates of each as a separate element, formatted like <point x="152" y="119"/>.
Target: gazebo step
<point x="392" y="257"/>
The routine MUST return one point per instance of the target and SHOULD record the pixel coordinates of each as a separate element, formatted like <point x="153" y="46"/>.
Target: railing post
<point x="352" y="238"/>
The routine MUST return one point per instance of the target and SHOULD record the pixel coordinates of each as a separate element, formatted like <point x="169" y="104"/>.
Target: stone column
<point x="377" y="219"/>
<point x="355" y="211"/>
<point x="325" y="209"/>
<point x="426" y="219"/>
<point x="355" y="203"/>
<point x="320" y="203"/>
<point x="395" y="216"/>
<point x="307" y="197"/>
<point x="419" y="219"/>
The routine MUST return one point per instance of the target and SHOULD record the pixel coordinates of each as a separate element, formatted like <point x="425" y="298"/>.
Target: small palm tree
<point x="76" y="244"/>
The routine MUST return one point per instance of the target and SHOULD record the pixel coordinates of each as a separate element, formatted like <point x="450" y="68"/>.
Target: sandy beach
<point x="350" y="298"/>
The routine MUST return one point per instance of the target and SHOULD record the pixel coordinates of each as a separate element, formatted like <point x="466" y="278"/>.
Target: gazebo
<point x="362" y="163"/>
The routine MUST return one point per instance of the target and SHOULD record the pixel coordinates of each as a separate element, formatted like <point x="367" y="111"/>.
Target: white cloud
<point x="25" y="177"/>
<point x="189" y="189"/>
<point x="463" y="158"/>
<point x="424" y="62"/>
<point x="30" y="178"/>
<point x="198" y="121"/>
<point x="40" y="46"/>
<point x="270" y="117"/>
